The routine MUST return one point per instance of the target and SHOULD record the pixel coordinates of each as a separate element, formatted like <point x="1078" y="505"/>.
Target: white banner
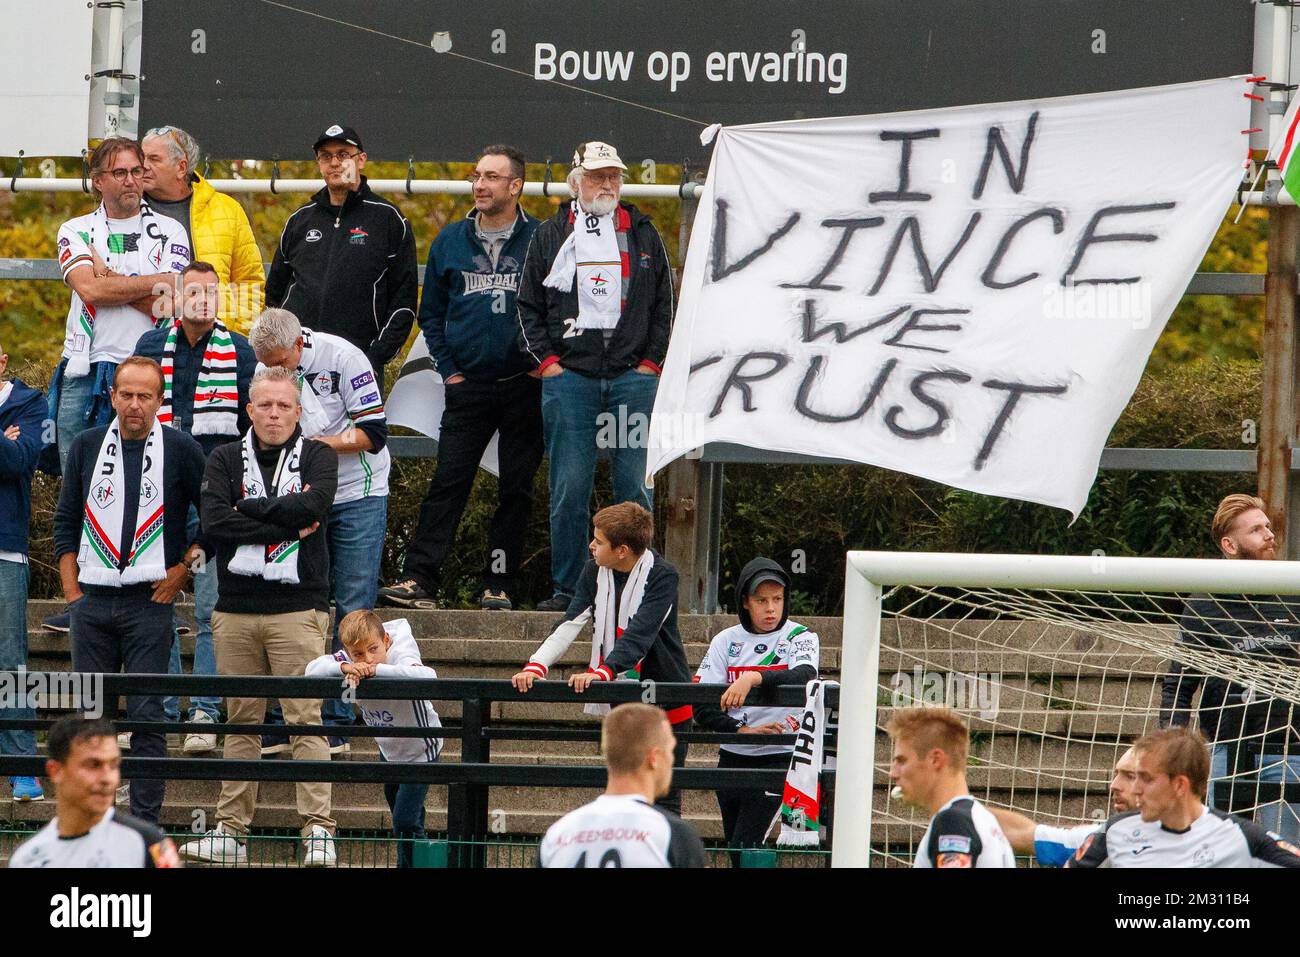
<point x="419" y="396"/>
<point x="44" y="89"/>
<point x="968" y="294"/>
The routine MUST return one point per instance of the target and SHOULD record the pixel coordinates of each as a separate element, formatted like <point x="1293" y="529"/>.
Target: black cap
<point x="765" y="576"/>
<point x="344" y="134"/>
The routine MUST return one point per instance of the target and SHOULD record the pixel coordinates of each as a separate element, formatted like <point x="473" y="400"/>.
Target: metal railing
<point x="467" y="781"/>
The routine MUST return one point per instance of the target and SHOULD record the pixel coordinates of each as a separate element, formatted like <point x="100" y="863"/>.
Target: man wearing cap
<point x="595" y="311"/>
<point x="345" y="264"/>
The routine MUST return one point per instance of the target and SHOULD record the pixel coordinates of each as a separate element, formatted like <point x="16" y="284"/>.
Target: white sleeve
<point x="713" y="667"/>
<point x="358" y="389"/>
<point x="178" y="253"/>
<point x="406" y="670"/>
<point x="805" y="649"/>
<point x="559" y="641"/>
<point x="73" y="251"/>
<point x="326" y="666"/>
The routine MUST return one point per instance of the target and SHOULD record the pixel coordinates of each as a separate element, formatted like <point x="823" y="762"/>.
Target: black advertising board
<point x="438" y="80"/>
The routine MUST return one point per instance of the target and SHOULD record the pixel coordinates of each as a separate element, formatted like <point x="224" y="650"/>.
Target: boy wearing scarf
<point x="121" y="541"/>
<point x="629" y="594"/>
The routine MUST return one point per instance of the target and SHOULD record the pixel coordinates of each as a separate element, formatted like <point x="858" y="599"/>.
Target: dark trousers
<point x="672" y="801"/>
<point x="406" y="802"/>
<point x="747" y="813"/>
<point x="129" y="633"/>
<point x="474" y="411"/>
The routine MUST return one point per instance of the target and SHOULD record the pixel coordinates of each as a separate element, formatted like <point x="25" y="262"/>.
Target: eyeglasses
<point x="609" y="176"/>
<point x="490" y="178"/>
<point x="325" y="159"/>
<point x="121" y="175"/>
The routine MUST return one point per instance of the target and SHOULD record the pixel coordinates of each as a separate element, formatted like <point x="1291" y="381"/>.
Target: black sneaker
<point x="495" y="600"/>
<point x="407" y="594"/>
<point x="274" y="744"/>
<point x="555" y="603"/>
<point x="62" y="622"/>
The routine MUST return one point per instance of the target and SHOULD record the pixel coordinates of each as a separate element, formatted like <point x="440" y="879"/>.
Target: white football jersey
<point x="737" y="650"/>
<point x="620" y="830"/>
<point x="964" y="834"/>
<point x="1215" y="839"/>
<point x="118" y="840"/>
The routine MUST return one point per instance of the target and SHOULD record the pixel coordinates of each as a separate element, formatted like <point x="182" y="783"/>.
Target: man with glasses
<point x="216" y="223"/>
<point x="467" y="315"/>
<point x="345" y="264"/>
<point x="123" y="263"/>
<point x="595" y="312"/>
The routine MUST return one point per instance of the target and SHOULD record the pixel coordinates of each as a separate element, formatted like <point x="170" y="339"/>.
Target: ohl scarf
<point x="279" y="562"/>
<point x="216" y="393"/>
<point x="100" y="560"/>
<point x="593" y="254"/>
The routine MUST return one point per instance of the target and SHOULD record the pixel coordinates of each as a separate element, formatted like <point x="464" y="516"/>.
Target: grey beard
<point x="601" y="207"/>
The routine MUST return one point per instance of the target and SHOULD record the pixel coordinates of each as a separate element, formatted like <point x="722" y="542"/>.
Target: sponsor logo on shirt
<point x="759" y="649"/>
<point x="179" y="250"/>
<point x="363" y="379"/>
<point x="954" y="860"/>
<point x="65" y="256"/>
<point x="372" y="397"/>
<point x="325" y="383"/>
<point x="123" y="242"/>
<point x="954" y="842"/>
<point x="63" y="242"/>
<point x="357" y="236"/>
<point x="313" y="236"/>
<point x="475" y="282"/>
<point x="734" y="649"/>
<point x="645" y="260"/>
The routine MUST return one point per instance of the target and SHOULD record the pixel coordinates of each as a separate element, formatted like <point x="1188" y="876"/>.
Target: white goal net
<point x="1058" y="664"/>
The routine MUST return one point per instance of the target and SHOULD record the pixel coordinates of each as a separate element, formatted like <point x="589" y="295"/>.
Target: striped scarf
<point x="278" y="562"/>
<point x="101" y="525"/>
<point x="588" y="256"/>
<point x="216" y="394"/>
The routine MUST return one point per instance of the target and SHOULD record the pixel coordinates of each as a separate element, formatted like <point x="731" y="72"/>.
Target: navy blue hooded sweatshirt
<point x="467" y="312"/>
<point x="26" y="408"/>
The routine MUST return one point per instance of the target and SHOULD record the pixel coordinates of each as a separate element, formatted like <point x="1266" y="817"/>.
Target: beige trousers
<point x="279" y="645"/>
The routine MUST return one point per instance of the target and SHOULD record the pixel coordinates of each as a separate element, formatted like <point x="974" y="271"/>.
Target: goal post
<point x="1086" y="640"/>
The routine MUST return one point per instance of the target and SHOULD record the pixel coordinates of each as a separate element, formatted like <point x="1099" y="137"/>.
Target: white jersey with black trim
<point x="964" y="834"/>
<point x="620" y="830"/>
<point x="1214" y="839"/>
<point x="403" y="662"/>
<point x="346" y="394"/>
<point x="118" y="840"/>
<point x="737" y="650"/>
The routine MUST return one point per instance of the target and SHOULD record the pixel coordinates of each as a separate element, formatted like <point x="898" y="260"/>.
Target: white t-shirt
<point x="343" y="392"/>
<point x="737" y="650"/>
<point x="964" y="834"/>
<point x="146" y="244"/>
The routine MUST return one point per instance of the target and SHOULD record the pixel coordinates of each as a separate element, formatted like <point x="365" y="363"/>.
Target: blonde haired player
<point x="929" y="767"/>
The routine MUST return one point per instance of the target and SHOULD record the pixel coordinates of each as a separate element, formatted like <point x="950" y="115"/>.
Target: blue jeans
<point x="406" y="802"/>
<point x="205" y="657"/>
<point x="82" y="403"/>
<point x="356" y="538"/>
<point x="13" y="651"/>
<point x="578" y="412"/>
<point x="1278" y="816"/>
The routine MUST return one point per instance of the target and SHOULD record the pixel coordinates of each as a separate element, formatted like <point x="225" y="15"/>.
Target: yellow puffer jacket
<point x="224" y="237"/>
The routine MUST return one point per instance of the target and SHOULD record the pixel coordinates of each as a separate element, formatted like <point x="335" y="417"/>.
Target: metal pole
<point x="1277" y="427"/>
<point x="855" y="760"/>
<point x="452" y="187"/>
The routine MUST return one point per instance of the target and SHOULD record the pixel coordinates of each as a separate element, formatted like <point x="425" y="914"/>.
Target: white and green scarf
<point x="216" y="393"/>
<point x="800" y="813"/>
<point x="279" y="562"/>
<point x="101" y="525"/>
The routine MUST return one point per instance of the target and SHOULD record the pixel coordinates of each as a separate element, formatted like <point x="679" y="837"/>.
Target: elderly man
<point x="266" y="501"/>
<point x="345" y="263"/>
<point x="123" y="548"/>
<point x="122" y="262"/>
<point x="595" y="312"/>
<point x="217" y="225"/>
<point x="342" y="408"/>
<point x="22" y="426"/>
<point x="467" y="316"/>
<point x="206" y="372"/>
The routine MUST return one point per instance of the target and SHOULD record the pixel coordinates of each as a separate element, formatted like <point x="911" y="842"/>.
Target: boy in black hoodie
<point x="629" y="594"/>
<point x="765" y="649"/>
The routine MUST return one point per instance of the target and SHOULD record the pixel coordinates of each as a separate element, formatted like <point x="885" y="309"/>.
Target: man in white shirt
<point x="624" y="827"/>
<point x="929" y="767"/>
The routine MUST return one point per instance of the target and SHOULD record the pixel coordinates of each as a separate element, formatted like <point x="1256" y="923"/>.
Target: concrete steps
<point x="1068" y="701"/>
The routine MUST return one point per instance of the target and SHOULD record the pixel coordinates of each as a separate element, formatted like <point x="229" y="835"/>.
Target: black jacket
<point x="712" y="716"/>
<point x="230" y="520"/>
<point x="349" y="271"/>
<point x="1265" y="628"/>
<point x="647" y="320"/>
<point x="182" y="477"/>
